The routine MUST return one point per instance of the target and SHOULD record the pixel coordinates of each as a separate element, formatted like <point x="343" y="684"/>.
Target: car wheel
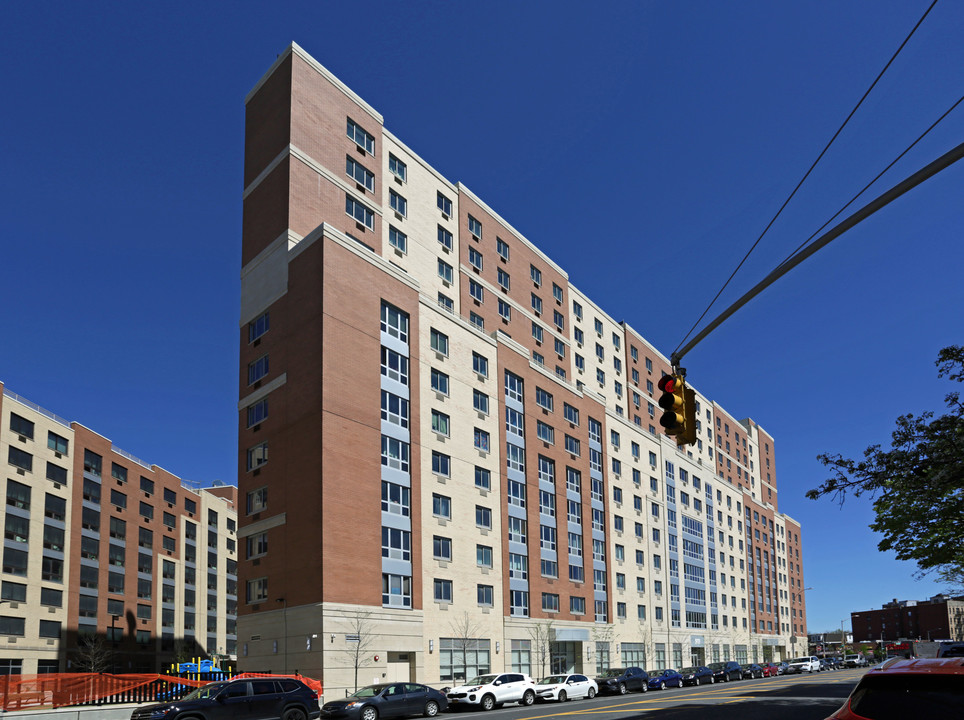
<point x="431" y="708"/>
<point x="622" y="688"/>
<point x="369" y="713"/>
<point x="712" y="679"/>
<point x="294" y="714"/>
<point x="562" y="696"/>
<point x="488" y="702"/>
<point x="591" y="694"/>
<point x="662" y="685"/>
<point x="528" y="698"/>
<point x="644" y="688"/>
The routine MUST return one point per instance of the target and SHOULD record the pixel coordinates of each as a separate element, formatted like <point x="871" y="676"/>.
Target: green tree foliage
<point x="917" y="485"/>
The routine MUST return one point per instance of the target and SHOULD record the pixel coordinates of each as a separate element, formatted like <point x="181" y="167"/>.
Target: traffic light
<point x="679" y="409"/>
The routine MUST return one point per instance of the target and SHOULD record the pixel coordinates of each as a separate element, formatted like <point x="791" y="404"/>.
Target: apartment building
<point x="940" y="617"/>
<point x="466" y="471"/>
<point x="103" y="549"/>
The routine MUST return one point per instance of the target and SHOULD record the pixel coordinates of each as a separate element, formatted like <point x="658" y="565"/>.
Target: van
<point x="807" y="664"/>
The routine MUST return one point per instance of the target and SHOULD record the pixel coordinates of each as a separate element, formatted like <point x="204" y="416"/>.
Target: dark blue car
<point x="662" y="679"/>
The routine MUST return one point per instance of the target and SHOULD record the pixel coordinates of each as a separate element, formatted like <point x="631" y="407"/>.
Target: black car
<point x="387" y="700"/>
<point x="726" y="671"/>
<point x="619" y="681"/>
<point x="697" y="675"/>
<point x="752" y="670"/>
<point x="244" y="699"/>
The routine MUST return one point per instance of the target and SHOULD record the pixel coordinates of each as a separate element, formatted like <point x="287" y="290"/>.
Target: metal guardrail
<point x="35" y="407"/>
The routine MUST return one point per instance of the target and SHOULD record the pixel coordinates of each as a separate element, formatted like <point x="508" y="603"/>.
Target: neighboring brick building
<point x="464" y="454"/>
<point x="98" y="543"/>
<point x="938" y="618"/>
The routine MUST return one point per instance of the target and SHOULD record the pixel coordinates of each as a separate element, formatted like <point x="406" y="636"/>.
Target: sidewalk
<point x="92" y="712"/>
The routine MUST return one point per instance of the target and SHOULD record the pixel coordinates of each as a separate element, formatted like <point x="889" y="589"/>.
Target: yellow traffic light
<point x="679" y="406"/>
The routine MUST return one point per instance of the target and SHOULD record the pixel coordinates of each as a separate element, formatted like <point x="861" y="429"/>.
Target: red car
<point x="920" y="688"/>
<point x="770" y="670"/>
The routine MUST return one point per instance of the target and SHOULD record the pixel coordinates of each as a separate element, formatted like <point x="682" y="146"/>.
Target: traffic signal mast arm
<point x="928" y="171"/>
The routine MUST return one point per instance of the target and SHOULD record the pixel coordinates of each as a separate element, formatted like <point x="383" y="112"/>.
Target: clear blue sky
<point x="620" y="137"/>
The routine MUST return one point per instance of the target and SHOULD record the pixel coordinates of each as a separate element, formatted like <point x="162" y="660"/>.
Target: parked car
<point x="489" y="691"/>
<point x="807" y="664"/>
<point x="697" y="675"/>
<point x="770" y="670"/>
<point x="725" y="671"/>
<point x="662" y="679"/>
<point x="751" y="670"/>
<point x="950" y="649"/>
<point x="855" y="661"/>
<point x="386" y="700"/>
<point x="784" y="668"/>
<point x="921" y="688"/>
<point x="239" y="700"/>
<point x="619" y="681"/>
<point x="565" y="687"/>
<point x="826" y="664"/>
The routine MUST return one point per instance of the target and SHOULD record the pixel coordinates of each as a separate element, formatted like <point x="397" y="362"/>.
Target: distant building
<point x="102" y="549"/>
<point x="465" y="454"/>
<point x="939" y="618"/>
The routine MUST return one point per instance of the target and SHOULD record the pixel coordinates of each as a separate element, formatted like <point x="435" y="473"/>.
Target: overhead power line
<point x="805" y="176"/>
<point x="928" y="171"/>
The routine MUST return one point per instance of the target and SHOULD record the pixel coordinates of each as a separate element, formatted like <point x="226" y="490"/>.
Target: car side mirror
<point x="497" y="682"/>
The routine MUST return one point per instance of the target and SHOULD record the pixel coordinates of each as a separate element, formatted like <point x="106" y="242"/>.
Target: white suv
<point x="806" y="664"/>
<point x="490" y="691"/>
<point x="855" y="661"/>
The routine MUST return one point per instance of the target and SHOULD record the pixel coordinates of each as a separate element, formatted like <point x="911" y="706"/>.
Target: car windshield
<point x="689" y="670"/>
<point x="553" y="680"/>
<point x="613" y="672"/>
<point x="891" y="696"/>
<point x="369" y="691"/>
<point x="482" y="680"/>
<point x="800" y="660"/>
<point x="205" y="692"/>
<point x="715" y="666"/>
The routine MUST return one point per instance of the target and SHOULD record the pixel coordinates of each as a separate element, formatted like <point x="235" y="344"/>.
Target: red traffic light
<point x="667" y="383"/>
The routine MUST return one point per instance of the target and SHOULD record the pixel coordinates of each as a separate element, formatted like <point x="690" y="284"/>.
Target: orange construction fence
<point x="64" y="689"/>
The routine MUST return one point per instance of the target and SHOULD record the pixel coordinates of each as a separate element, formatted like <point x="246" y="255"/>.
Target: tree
<point x="93" y="654"/>
<point x="917" y="485"/>
<point x="465" y="632"/>
<point x="361" y="640"/>
<point x="542" y="635"/>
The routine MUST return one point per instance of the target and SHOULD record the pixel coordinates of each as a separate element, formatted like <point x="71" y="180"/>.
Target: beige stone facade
<point x="465" y="446"/>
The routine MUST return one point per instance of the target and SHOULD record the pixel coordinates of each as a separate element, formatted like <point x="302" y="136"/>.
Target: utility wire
<point x="868" y="185"/>
<point x="806" y="175"/>
<point x="941" y="163"/>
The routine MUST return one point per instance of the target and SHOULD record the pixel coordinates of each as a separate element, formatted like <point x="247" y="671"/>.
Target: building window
<point x="477" y="320"/>
<point x="398" y="203"/>
<point x="444" y="204"/>
<point x="440" y="342"/>
<point x="483" y="517"/>
<point x="397" y="239"/>
<point x="395" y="453"/>
<point x="440" y="381"/>
<point x="396" y="499"/>
<point x="444" y="238"/>
<point x="545" y="432"/>
<point x="550" y="602"/>
<point x="441" y="464"/>
<point x="536" y="303"/>
<point x="396" y="544"/>
<point x="363" y="139"/>
<point x="536" y="275"/>
<point x="396" y="590"/>
<point x="361" y="213"/>
<point x="536" y="331"/>
<point x="57" y="443"/>
<point x="257" y="500"/>
<point x="505" y="310"/>
<point x="440" y="423"/>
<point x="20" y="459"/>
<point x="21" y="426"/>
<point x="394" y="409"/>
<point x="577" y="605"/>
<point x="257" y="590"/>
<point x="257" y="369"/>
<point x="486" y="596"/>
<point x="257" y="456"/>
<point x="397" y="168"/>
<point x="481" y="440"/>
<point x="480" y="364"/>
<point x="442" y="548"/>
<point x="257" y="412"/>
<point x="476" y="291"/>
<point x="443" y="591"/>
<point x="482" y="478"/>
<point x="359" y="173"/>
